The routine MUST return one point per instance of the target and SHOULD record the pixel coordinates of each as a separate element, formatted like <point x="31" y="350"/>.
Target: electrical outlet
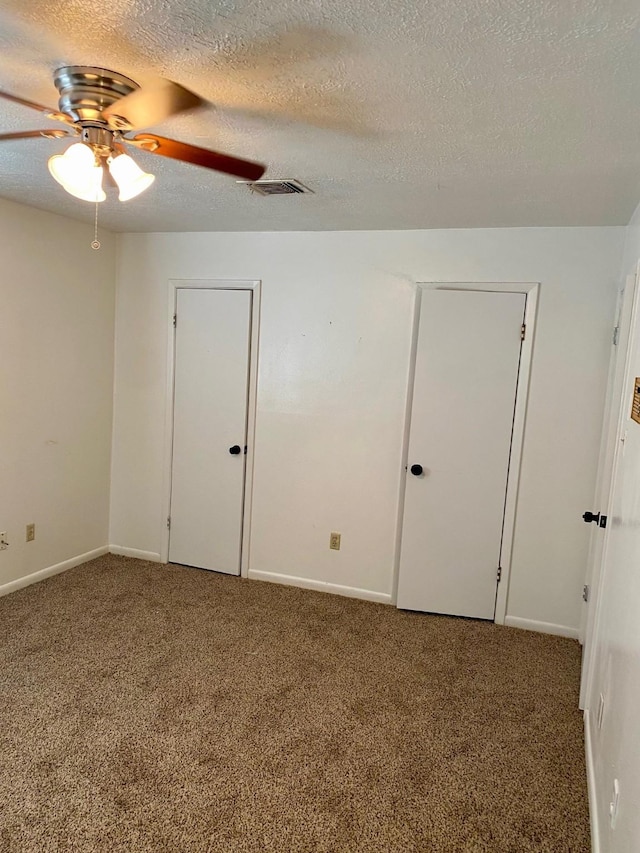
<point x="31" y="532"/>
<point x="3" y="541"/>
<point x="334" y="541"/>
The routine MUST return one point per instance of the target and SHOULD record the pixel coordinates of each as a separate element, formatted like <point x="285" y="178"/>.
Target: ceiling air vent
<point x="271" y="187"/>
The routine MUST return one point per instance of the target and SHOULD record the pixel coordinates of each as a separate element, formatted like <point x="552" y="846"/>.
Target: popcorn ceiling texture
<point x="398" y="114"/>
<point x="148" y="708"/>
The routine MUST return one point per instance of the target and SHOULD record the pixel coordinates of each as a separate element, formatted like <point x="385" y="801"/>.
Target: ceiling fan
<point x="100" y="109"/>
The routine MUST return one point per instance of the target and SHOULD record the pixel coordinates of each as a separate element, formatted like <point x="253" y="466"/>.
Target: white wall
<point x="615" y="748"/>
<point x="56" y="374"/>
<point x="334" y="359"/>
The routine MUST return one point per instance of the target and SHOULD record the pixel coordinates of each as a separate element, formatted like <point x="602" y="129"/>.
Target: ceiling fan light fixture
<point x="129" y="177"/>
<point x="102" y="108"/>
<point x="77" y="171"/>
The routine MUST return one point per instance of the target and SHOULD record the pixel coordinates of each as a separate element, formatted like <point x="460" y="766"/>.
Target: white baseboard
<point x="152" y="556"/>
<point x="542" y="627"/>
<point x="321" y="586"/>
<point x="591" y="786"/>
<point x="34" y="577"/>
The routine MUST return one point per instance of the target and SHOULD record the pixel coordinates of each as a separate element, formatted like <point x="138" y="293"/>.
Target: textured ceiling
<point x="397" y="113"/>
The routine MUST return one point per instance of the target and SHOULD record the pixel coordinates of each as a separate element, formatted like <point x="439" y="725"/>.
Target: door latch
<point x="600" y="520"/>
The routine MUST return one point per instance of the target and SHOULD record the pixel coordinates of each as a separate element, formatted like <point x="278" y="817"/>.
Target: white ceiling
<point x="397" y="113"/>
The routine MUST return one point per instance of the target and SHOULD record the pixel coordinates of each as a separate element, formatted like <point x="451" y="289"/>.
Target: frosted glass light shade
<point x="76" y="170"/>
<point x="129" y="177"/>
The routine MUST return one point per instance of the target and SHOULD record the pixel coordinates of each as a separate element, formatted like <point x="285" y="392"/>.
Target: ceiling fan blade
<point x="151" y="104"/>
<point x="246" y="169"/>
<point x="33" y="134"/>
<point x="54" y="114"/>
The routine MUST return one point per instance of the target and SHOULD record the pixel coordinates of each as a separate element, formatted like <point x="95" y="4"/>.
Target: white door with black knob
<point x="209" y="428"/>
<point x="467" y="363"/>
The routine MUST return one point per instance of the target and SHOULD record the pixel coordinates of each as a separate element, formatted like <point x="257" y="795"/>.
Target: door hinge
<point x="523" y="331"/>
<point x="499" y="575"/>
<point x="616" y="336"/>
<point x="175" y="320"/>
<point x="169" y="522"/>
<point x="585" y="592"/>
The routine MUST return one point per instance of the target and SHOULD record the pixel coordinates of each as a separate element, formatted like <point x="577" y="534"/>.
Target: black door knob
<point x="416" y="470"/>
<point x="235" y="450"/>
<point x="588" y="517"/>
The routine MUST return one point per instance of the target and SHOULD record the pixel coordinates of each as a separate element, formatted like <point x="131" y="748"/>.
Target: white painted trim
<point x="114" y="389"/>
<point x="40" y="575"/>
<point x="255" y="286"/>
<point x="402" y="487"/>
<point x="591" y="786"/>
<point x="120" y="551"/>
<point x="541" y="627"/>
<point x="515" y="459"/>
<point x="531" y="291"/>
<point x="321" y="586"/>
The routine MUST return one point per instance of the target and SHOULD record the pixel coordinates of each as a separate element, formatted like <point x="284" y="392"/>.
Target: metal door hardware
<point x="600" y="520"/>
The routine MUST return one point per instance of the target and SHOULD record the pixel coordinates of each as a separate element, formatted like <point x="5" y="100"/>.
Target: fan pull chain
<point x="95" y="243"/>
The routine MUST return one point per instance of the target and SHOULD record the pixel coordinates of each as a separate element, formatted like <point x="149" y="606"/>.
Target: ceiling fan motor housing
<point x="100" y="139"/>
<point x="85" y="91"/>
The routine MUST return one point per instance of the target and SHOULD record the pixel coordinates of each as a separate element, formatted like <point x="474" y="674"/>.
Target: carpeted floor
<point x="152" y="708"/>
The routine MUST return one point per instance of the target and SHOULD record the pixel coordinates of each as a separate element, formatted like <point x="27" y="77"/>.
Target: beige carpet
<point x="153" y="708"/>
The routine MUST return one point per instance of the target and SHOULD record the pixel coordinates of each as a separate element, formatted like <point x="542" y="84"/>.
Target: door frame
<point x="610" y="428"/>
<point x="616" y="413"/>
<point x="531" y="291"/>
<point x="255" y="288"/>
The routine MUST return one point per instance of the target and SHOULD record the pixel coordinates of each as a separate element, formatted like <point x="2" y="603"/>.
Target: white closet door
<point x="466" y="376"/>
<point x="209" y="428"/>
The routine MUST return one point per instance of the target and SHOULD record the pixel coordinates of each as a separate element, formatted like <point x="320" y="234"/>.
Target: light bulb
<point x="77" y="171"/>
<point x="129" y="177"/>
